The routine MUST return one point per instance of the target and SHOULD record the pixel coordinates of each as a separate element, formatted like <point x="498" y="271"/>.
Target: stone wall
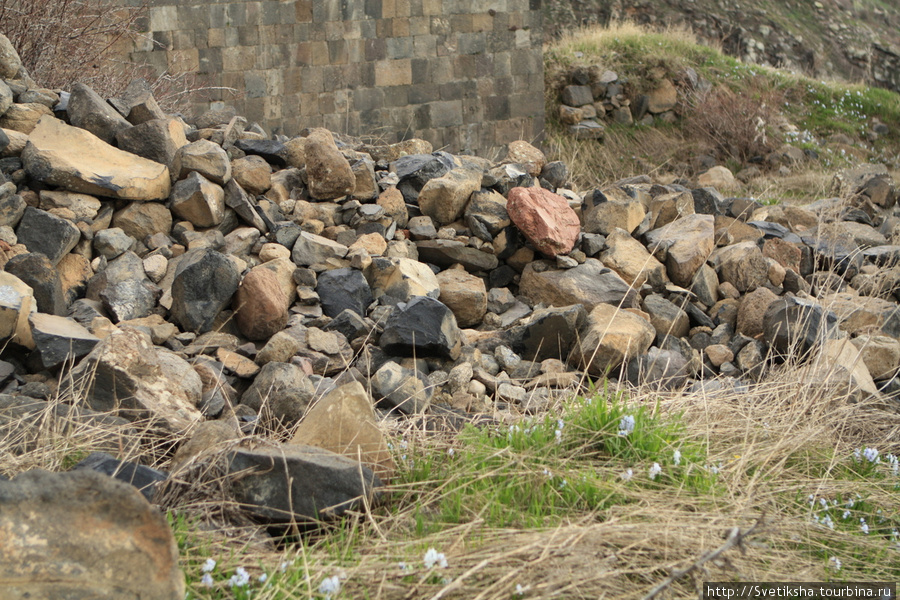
<point x="464" y="74"/>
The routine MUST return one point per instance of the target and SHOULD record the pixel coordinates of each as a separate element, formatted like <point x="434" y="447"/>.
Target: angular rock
<point x="87" y="110"/>
<point x="83" y="535"/>
<point x="610" y="337"/>
<point x="329" y="173"/>
<point x="59" y="339"/>
<point x="204" y="284"/>
<point x="36" y="272"/>
<point x="203" y="157"/>
<point x="12" y="208"/>
<point x="124" y="288"/>
<point x="589" y="284"/>
<point x="288" y="484"/>
<point x="446" y="253"/>
<point x="463" y="294"/>
<point x="142" y="219"/>
<point x="628" y="258"/>
<point x="414" y="170"/>
<point x="662" y="369"/>
<point x="343" y="422"/>
<point x="741" y="265"/>
<point x="546" y="219"/>
<point x="142" y="477"/>
<point x="666" y="208"/>
<point x="685" y="245"/>
<point x="522" y="153"/>
<point x="112" y="242"/>
<point x="125" y="373"/>
<point x="84" y="207"/>
<point x="663" y="97"/>
<point x="752" y="311"/>
<point x="547" y="332"/>
<point x="795" y="326"/>
<point x="157" y="140"/>
<point x="48" y="234"/>
<point x="486" y="214"/>
<point x="252" y="173"/>
<point x="198" y="200"/>
<point x="391" y="200"/>
<point x="880" y="353"/>
<point x="344" y="289"/>
<point x="327" y="351"/>
<point x="280" y="392"/>
<point x="444" y="198"/>
<point x="840" y="364"/>
<point x="244" y="205"/>
<point x="260" y="305"/>
<point x="24" y="117"/>
<point x="608" y="216"/>
<point x="311" y="249"/>
<point x="401" y="279"/>
<point x="665" y="317"/>
<point x="401" y="388"/>
<point x="422" y="327"/>
<point x="78" y="161"/>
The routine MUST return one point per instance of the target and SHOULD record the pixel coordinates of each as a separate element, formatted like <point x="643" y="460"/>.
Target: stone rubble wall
<point x="467" y="76"/>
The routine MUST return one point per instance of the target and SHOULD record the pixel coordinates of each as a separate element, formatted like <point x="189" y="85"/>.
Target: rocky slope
<point x="266" y="306"/>
<point x="843" y="39"/>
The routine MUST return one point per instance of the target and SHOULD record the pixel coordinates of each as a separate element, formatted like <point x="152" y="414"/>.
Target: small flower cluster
<point x="330" y="586"/>
<point x="433" y="558"/>
<point x="626" y="425"/>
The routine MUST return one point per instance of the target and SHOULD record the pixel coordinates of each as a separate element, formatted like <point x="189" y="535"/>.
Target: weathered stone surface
<point x="78" y="161"/>
<point x="125" y="373"/>
<point x="752" y="311"/>
<point x="464" y="294"/>
<point x="329" y="173"/>
<point x="328" y="351"/>
<point x="48" y="234"/>
<point x="666" y="208"/>
<point x="343" y="421"/>
<point x="628" y="257"/>
<point x="665" y="317"/>
<point x="446" y="253"/>
<point x="522" y="153"/>
<point x="657" y="368"/>
<point x="12" y="207"/>
<point x="16" y="304"/>
<point x="545" y="218"/>
<point x="83" y="206"/>
<point x="145" y="479"/>
<point x="414" y="170"/>
<point x="589" y="284"/>
<point x="421" y="327"/>
<point x="112" y="242"/>
<point x="862" y="314"/>
<point x="401" y="388"/>
<point x="795" y="326"/>
<point x="311" y="249"/>
<point x="547" y="332"/>
<point x="204" y="283"/>
<point x="36" y="272"/>
<point x="444" y="198"/>
<point x="839" y="363"/>
<point x="741" y="265"/>
<point x="290" y="483"/>
<point x="244" y="205"/>
<point x="203" y="157"/>
<point x="124" y="288"/>
<point x="401" y="279"/>
<point x="260" y="305"/>
<point x="24" y="117"/>
<point x="391" y="200"/>
<point x="344" y="289"/>
<point x="142" y="219"/>
<point x="87" y="110"/>
<point x="59" y="339"/>
<point x="606" y="217"/>
<point x="717" y="177"/>
<point x="281" y="391"/>
<point x="880" y="353"/>
<point x="486" y="214"/>
<point x="685" y="244"/>
<point x="610" y="337"/>
<point x="252" y="173"/>
<point x="198" y="200"/>
<point x="157" y="140"/>
<point x="83" y="535"/>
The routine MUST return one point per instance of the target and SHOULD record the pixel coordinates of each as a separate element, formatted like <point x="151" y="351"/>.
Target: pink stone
<point x="545" y="218"/>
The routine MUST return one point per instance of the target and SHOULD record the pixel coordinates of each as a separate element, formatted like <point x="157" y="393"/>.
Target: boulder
<point x="198" y="200"/>
<point x="522" y="153"/>
<point x="16" y="304"/>
<point x="631" y="261"/>
<point x="752" y="311"/>
<point x="880" y="353"/>
<point x="662" y="98"/>
<point x="329" y="173"/>
<point x="795" y="326"/>
<point x="422" y="327"/>
<point x="76" y="160"/>
<point x="44" y="286"/>
<point x="486" y="214"/>
<point x="83" y="206"/>
<point x="401" y="279"/>
<point x="143" y="219"/>
<point x="546" y="219"/>
<point x="344" y="289"/>
<point x="204" y="157"/>
<point x="83" y="535"/>
<point x="145" y="479"/>
<point x="444" y="198"/>
<point x="663" y="369"/>
<point x="46" y="233"/>
<point x="124" y="288"/>
<point x="840" y="364"/>
<point x="291" y="484"/>
<point x="59" y="340"/>
<point x="464" y="294"/>
<point x="281" y="392"/>
<point x="312" y="250"/>
<point x="343" y="421"/>
<point x="400" y="388"/>
<point x="446" y="253"/>
<point x="589" y="284"/>
<point x="204" y="283"/>
<point x="252" y="173"/>
<point x="665" y="317"/>
<point x="157" y="140"/>
<point x="683" y="245"/>
<point x="608" y="216"/>
<point x="610" y="337"/>
<point x="113" y="242"/>
<point x="260" y="305"/>
<point x="87" y="110"/>
<point x="125" y="373"/>
<point x="547" y="332"/>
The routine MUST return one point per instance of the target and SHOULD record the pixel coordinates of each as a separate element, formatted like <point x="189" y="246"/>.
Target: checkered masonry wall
<point x="467" y="75"/>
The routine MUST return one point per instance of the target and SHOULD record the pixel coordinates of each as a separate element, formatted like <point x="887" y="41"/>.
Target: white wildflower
<point x="626" y="425"/>
<point x="434" y="558"/>
<point x="863" y="526"/>
<point x="240" y="578"/>
<point x="283" y="567"/>
<point x="676" y="457"/>
<point x="827" y="522"/>
<point x="451" y="451"/>
<point x="520" y="591"/>
<point x="871" y="455"/>
<point x="823" y="502"/>
<point x="627" y="475"/>
<point x="655" y="470"/>
<point x="207" y="580"/>
<point x="330" y="586"/>
<point x="263" y="578"/>
<point x="835" y="563"/>
<point x="846" y="515"/>
<point x="208" y="566"/>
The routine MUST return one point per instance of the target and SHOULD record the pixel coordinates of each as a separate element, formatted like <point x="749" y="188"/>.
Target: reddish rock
<point x="545" y="218"/>
<point x="261" y="307"/>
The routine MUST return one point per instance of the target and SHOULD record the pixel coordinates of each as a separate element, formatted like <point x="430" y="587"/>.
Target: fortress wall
<point x="467" y="75"/>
